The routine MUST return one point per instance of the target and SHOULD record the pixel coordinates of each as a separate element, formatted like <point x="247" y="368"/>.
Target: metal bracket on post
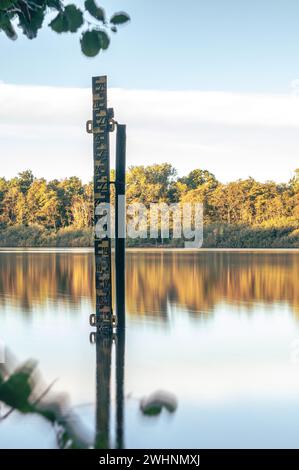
<point x="111" y="121"/>
<point x="89" y="128"/>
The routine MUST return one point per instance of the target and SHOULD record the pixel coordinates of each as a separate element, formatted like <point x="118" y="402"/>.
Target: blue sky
<point x="170" y="44"/>
<point x="242" y="49"/>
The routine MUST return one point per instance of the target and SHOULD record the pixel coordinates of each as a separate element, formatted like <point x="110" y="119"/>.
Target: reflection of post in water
<point x="103" y="388"/>
<point x="120" y="376"/>
<point x="103" y="394"/>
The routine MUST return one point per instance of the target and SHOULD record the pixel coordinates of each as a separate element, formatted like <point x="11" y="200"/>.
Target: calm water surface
<point x="219" y="330"/>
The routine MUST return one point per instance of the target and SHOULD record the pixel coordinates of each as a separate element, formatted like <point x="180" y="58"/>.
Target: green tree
<point x="199" y="186"/>
<point x="82" y="208"/>
<point x="42" y="204"/>
<point x="3" y="190"/>
<point x="228" y="200"/>
<point x="198" y="178"/>
<point x="69" y="188"/>
<point x="13" y="205"/>
<point x="9" y="205"/>
<point x="267" y="193"/>
<point x="149" y="184"/>
<point x="25" y="180"/>
<point x="21" y="210"/>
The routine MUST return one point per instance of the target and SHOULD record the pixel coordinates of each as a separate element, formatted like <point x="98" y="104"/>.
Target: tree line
<point x="67" y="204"/>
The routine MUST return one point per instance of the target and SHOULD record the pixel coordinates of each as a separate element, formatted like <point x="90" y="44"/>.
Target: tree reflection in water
<point x="154" y="281"/>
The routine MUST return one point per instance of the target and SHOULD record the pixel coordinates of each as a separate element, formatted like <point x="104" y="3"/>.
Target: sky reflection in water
<point x="215" y="329"/>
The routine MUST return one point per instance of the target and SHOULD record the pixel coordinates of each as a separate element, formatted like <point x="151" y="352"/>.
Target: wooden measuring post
<point x="120" y="224"/>
<point x="102" y="123"/>
<point x="100" y="127"/>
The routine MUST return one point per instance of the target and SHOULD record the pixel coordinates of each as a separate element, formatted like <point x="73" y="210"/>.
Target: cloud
<point x="232" y="134"/>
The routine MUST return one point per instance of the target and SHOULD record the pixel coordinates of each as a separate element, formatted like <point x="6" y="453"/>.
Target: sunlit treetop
<point x="29" y="16"/>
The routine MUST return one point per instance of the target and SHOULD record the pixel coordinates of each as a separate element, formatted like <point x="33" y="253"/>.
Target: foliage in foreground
<point x="29" y="16"/>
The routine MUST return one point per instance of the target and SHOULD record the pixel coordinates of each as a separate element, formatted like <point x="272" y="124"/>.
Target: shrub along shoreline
<point x="214" y="236"/>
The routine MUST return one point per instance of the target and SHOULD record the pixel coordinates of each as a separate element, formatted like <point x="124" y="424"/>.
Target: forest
<point x="238" y="214"/>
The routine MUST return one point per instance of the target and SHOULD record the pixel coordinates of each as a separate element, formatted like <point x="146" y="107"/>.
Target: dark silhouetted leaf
<point x="94" y="10"/>
<point x="153" y="410"/>
<point x="7" y="27"/>
<point x="90" y="43"/>
<point x="113" y="29"/>
<point x="74" y="18"/>
<point x="119" y="18"/>
<point x="104" y="39"/>
<point x="59" y="24"/>
<point x="54" y="4"/>
<point x="16" y="390"/>
<point x="4" y="4"/>
<point x="152" y="405"/>
<point x="30" y="21"/>
<point x="69" y="20"/>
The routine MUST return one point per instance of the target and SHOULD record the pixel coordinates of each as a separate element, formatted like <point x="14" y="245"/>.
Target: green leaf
<point x="4" y="4"/>
<point x="94" y="10"/>
<point x="7" y="27"/>
<point x="119" y="18"/>
<point x="104" y="39"/>
<point x="153" y="404"/>
<point x="74" y="17"/>
<point x="16" y="390"/>
<point x="30" y="21"/>
<point x="90" y="43"/>
<point x="54" y="4"/>
<point x="69" y="20"/>
<point x="59" y="24"/>
<point x="152" y="410"/>
<point x="113" y="29"/>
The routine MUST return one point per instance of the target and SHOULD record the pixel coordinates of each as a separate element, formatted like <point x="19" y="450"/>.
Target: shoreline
<point x="144" y="250"/>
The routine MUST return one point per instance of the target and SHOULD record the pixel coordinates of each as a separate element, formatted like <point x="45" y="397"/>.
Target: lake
<point x="217" y="331"/>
